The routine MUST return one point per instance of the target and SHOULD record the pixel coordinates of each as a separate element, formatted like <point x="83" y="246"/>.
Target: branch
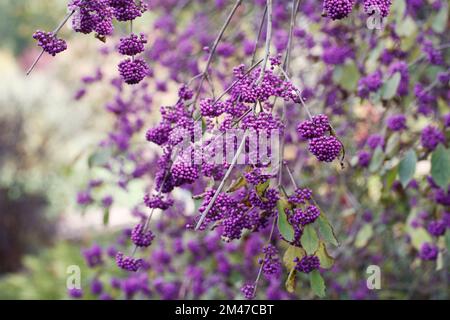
<point x="213" y="50"/>
<point x="55" y="33"/>
<point x="268" y="39"/>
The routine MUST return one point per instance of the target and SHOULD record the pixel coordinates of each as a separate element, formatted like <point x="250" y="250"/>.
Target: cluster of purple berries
<point x="307" y="264"/>
<point x="92" y="15"/>
<point x="337" y="9"/>
<point x="141" y="237"/>
<point x="325" y="148"/>
<point x="381" y="7"/>
<point x="133" y="71"/>
<point x="128" y="263"/>
<point x="49" y="42"/>
<point x="97" y="16"/>
<point x="132" y="45"/>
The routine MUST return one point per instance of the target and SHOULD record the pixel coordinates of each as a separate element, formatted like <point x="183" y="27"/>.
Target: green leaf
<point x="393" y="144"/>
<point x="284" y="226"/>
<point x="374" y="186"/>
<point x="106" y="216"/>
<point x="363" y="236"/>
<point x="309" y="239"/>
<point x="317" y="283"/>
<point x="407" y="167"/>
<point x="262" y="187"/>
<point x="377" y="160"/>
<point x="406" y="27"/>
<point x="440" y="261"/>
<point x="418" y="237"/>
<point x="390" y="177"/>
<point x="239" y="183"/>
<point x="100" y="158"/>
<point x="440" y="166"/>
<point x="291" y="281"/>
<point x="326" y="261"/>
<point x="440" y="20"/>
<point x="447" y="240"/>
<point x="291" y="253"/>
<point x="346" y="76"/>
<point x="390" y="87"/>
<point x="326" y="230"/>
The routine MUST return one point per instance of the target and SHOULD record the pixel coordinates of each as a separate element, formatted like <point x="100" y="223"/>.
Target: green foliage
<point x="326" y="230"/>
<point x="407" y="167"/>
<point x="377" y="160"/>
<point x="389" y="89"/>
<point x="346" y="76"/>
<point x="363" y="236"/>
<point x="440" y="166"/>
<point x="284" y="226"/>
<point x="44" y="275"/>
<point x="309" y="239"/>
<point x="317" y="283"/>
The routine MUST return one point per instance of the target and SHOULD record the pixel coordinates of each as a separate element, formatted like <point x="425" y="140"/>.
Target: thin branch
<point x="298" y="94"/>
<point x="259" y="35"/>
<point x="55" y="33"/>
<point x="213" y="50"/>
<point x="262" y="264"/>
<point x="222" y="183"/>
<point x="268" y="40"/>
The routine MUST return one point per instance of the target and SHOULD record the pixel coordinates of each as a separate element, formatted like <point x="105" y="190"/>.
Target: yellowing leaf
<point x="363" y="236"/>
<point x="291" y="253"/>
<point x="291" y="281"/>
<point x="326" y="261"/>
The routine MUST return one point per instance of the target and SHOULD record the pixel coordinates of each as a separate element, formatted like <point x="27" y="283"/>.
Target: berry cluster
<point x="92" y="16"/>
<point x="132" y="45"/>
<point x="337" y="9"/>
<point x="325" y="148"/>
<point x="140" y="237"/>
<point x="128" y="263"/>
<point x="307" y="264"/>
<point x="381" y="7"/>
<point x="271" y="262"/>
<point x="49" y="42"/>
<point x="97" y="16"/>
<point x="133" y="71"/>
<point x="248" y="290"/>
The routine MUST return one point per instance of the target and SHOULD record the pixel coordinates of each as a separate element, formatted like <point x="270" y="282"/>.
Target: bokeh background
<point x="45" y="139"/>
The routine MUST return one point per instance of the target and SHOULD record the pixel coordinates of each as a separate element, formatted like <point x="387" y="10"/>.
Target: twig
<point x="213" y="50"/>
<point x="55" y="33"/>
<point x="268" y="40"/>
<point x="262" y="264"/>
<point x="298" y="94"/>
<point x="259" y="35"/>
<point x="222" y="183"/>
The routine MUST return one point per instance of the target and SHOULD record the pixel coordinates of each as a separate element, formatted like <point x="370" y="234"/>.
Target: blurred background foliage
<point x="39" y="170"/>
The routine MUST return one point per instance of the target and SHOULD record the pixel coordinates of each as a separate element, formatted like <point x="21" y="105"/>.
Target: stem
<point x="287" y="59"/>
<point x="35" y="62"/>
<point x="222" y="183"/>
<point x="298" y="94"/>
<point x="295" y="4"/>
<point x="260" y="268"/>
<point x="268" y="39"/>
<point x="259" y="35"/>
<point x="232" y="86"/>
<point x="292" y="177"/>
<point x="55" y="33"/>
<point x="213" y="50"/>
